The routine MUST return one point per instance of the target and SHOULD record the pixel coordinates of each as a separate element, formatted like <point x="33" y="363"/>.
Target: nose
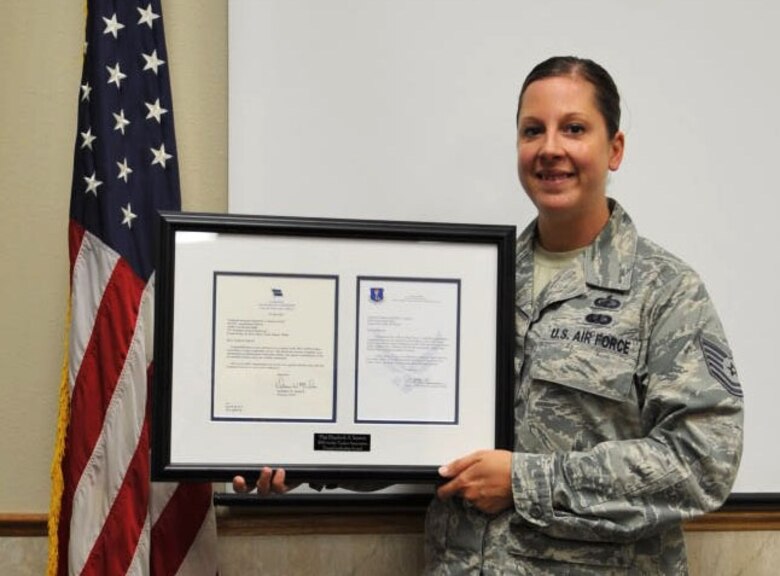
<point x="551" y="146"/>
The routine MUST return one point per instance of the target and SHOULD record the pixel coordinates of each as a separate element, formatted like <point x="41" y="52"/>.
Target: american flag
<point x="106" y="517"/>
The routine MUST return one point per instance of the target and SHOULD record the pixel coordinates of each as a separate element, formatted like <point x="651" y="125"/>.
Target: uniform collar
<point x="608" y="261"/>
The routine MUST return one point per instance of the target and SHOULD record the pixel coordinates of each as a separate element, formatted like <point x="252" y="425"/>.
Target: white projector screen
<point x="404" y="110"/>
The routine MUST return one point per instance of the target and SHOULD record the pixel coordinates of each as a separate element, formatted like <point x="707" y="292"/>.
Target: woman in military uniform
<point x="628" y="410"/>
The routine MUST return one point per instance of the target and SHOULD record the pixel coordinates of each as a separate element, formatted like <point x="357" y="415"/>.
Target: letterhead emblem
<point x="377" y="294"/>
<point x="277" y="292"/>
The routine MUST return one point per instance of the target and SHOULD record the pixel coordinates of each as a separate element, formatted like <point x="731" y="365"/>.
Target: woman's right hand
<point x="269" y="482"/>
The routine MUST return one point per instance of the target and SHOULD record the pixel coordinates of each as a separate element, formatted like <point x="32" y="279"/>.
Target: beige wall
<point x="40" y="67"/>
<point x="710" y="554"/>
<point x="40" y="59"/>
<point x="39" y="72"/>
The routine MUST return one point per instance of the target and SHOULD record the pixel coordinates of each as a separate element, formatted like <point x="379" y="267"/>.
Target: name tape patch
<point x="594" y="338"/>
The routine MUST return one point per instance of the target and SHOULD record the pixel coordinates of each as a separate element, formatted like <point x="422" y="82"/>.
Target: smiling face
<point x="564" y="154"/>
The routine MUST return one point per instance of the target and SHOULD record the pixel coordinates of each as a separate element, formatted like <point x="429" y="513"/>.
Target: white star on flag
<point x="112" y="26"/>
<point x="121" y="121"/>
<point x="160" y="156"/>
<point x="115" y="75"/>
<point x="92" y="184"/>
<point x="128" y="216"/>
<point x="152" y="61"/>
<point x="124" y="170"/>
<point x="155" y="110"/>
<point x="147" y="16"/>
<point x="88" y="139"/>
<point x="85" y="90"/>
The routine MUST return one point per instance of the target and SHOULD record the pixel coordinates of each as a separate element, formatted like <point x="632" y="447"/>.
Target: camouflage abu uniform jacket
<point x="628" y="420"/>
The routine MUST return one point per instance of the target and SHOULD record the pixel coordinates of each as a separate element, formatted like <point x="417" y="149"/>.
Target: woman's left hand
<point x="482" y="478"/>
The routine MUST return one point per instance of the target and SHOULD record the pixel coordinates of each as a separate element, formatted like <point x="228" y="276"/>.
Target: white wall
<point x="404" y="109"/>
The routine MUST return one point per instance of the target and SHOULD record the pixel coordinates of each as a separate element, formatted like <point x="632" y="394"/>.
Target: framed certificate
<point x="340" y="350"/>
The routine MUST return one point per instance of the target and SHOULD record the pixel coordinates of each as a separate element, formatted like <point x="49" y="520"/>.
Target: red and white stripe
<point x="112" y="520"/>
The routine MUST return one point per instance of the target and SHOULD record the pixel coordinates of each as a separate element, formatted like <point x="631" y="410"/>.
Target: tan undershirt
<point x="549" y="264"/>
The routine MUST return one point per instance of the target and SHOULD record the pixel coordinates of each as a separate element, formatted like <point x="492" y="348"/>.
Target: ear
<point x="616" y="148"/>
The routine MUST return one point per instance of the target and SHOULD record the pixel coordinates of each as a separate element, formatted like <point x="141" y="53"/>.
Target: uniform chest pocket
<point x="603" y="367"/>
<point x="572" y="556"/>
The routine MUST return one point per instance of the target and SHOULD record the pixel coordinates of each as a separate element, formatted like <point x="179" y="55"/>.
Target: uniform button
<point x="536" y="511"/>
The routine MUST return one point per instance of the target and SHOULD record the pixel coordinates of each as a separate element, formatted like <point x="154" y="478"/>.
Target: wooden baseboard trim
<point x="735" y="521"/>
<point x="307" y="522"/>
<point x="12" y="525"/>
<point x="286" y="524"/>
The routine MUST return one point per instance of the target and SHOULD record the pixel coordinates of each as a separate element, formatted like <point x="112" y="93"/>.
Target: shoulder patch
<point x="720" y="365"/>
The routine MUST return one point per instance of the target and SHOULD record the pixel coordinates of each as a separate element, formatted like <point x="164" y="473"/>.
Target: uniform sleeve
<point x="685" y="464"/>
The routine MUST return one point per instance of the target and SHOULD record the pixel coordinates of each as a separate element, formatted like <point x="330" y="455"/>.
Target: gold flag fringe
<point x="63" y="419"/>
<point x="57" y="483"/>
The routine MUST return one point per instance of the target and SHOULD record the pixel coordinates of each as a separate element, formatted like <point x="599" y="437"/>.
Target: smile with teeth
<point x="554" y="176"/>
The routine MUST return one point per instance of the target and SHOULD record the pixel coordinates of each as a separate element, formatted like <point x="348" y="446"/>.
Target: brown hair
<point x="607" y="97"/>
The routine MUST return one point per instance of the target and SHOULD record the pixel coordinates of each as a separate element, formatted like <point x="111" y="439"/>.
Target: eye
<point x="530" y="131"/>
<point x="575" y="128"/>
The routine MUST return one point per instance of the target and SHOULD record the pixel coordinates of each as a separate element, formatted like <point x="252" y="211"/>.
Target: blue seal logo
<point x="377" y="294"/>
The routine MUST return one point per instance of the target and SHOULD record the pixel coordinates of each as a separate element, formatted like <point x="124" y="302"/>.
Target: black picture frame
<point x="192" y="248"/>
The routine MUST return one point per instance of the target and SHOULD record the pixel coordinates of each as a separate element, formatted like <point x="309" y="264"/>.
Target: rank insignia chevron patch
<point x="721" y="366"/>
